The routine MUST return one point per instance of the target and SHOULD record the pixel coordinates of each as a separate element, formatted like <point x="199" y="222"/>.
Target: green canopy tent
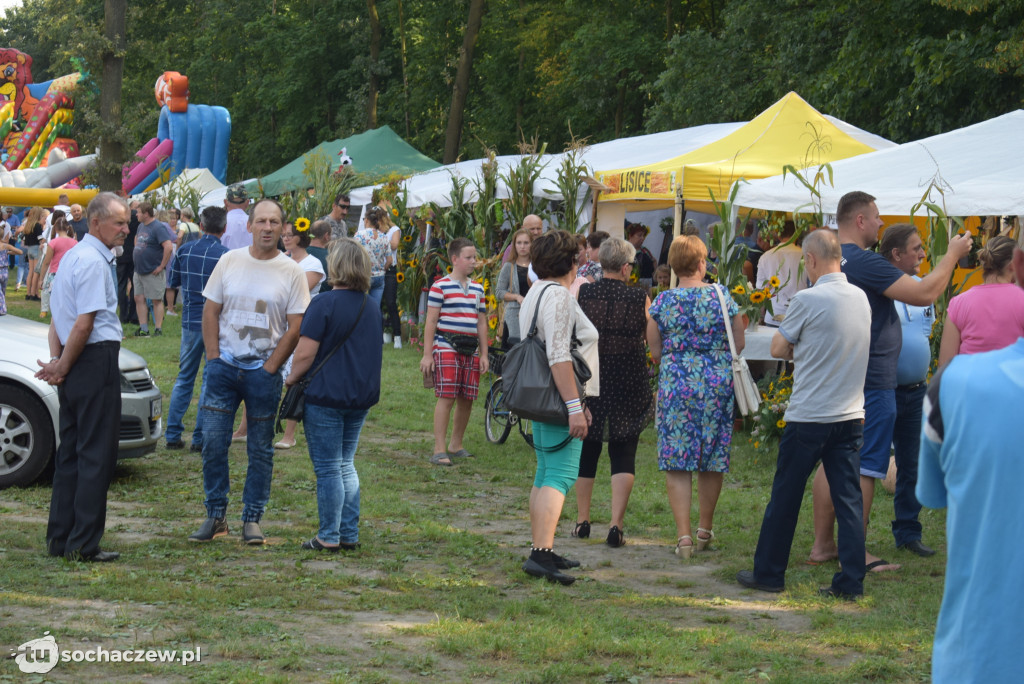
<point x="378" y="151"/>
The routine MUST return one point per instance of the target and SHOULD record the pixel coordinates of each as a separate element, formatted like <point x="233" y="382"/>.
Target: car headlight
<point x="126" y="385"/>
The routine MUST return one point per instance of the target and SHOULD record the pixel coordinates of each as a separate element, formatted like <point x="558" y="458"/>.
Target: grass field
<point x="436" y="593"/>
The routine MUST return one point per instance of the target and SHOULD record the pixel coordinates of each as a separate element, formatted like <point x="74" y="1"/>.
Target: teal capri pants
<point x="558" y="468"/>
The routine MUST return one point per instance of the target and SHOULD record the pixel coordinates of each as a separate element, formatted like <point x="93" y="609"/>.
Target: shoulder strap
<point x="343" y="340"/>
<point x="536" y="310"/>
<point x="725" y="318"/>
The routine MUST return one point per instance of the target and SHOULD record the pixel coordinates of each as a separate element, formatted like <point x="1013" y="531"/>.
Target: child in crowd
<point x="455" y="348"/>
<point x="662" y="281"/>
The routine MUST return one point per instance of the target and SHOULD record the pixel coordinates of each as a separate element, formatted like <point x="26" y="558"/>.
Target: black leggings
<point x="621" y="456"/>
<point x="391" y="301"/>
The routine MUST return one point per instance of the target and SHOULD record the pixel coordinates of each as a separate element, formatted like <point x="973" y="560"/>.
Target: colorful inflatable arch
<point x="188" y="136"/>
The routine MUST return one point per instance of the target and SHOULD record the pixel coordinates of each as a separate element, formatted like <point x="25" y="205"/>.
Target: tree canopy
<point x="296" y="72"/>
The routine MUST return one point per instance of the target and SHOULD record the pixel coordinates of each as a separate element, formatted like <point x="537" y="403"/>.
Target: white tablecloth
<point x="758" y="344"/>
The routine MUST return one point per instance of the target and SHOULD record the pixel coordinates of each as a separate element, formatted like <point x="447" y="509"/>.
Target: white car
<point x="29" y="408"/>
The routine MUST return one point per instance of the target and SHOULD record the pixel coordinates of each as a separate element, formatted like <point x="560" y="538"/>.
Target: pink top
<point x="60" y="247"/>
<point x="989" y="317"/>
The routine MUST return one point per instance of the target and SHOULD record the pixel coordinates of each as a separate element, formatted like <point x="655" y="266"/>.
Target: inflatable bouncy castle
<point x="189" y="136"/>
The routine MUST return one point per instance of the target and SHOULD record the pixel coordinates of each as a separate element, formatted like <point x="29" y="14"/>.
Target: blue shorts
<point x="879" y="421"/>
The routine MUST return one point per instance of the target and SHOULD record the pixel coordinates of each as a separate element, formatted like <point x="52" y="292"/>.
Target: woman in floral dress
<point x="374" y="239"/>
<point x="687" y="336"/>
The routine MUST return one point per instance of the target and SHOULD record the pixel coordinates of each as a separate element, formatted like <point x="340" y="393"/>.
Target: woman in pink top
<point x="988" y="316"/>
<point x="63" y="239"/>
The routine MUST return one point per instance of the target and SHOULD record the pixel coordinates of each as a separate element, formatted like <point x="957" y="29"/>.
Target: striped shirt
<point x="460" y="307"/>
<point x="190" y="269"/>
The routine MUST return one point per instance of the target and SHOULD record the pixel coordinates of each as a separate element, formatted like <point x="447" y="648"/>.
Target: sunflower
<point x="448" y="269"/>
<point x="413" y="263"/>
<point x="780" y="424"/>
<point x="400" y="277"/>
<point x="492" y="303"/>
<point x="394" y="212"/>
<point x="633" y="277"/>
<point x="407" y="238"/>
<point x="487" y="285"/>
<point x="739" y="290"/>
<point x="756" y="297"/>
<point x="774" y="282"/>
<point x="302" y="224"/>
<point x="492" y="323"/>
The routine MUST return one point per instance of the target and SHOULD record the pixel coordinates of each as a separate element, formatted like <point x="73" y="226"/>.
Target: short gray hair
<point x="102" y="204"/>
<point x="824" y="244"/>
<point x="615" y="253"/>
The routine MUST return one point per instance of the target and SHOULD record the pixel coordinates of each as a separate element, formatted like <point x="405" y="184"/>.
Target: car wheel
<point x="26" y="438"/>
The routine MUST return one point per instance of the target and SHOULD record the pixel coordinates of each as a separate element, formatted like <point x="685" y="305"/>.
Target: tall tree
<point x="111" y="151"/>
<point x="460" y="90"/>
<point x="375" y="40"/>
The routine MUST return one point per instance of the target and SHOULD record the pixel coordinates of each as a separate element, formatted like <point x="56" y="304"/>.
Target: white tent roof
<point x="201" y="179"/>
<point x="435" y="185"/>
<point x="979" y="168"/>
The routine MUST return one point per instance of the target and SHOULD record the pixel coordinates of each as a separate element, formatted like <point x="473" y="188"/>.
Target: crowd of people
<point x="276" y="303"/>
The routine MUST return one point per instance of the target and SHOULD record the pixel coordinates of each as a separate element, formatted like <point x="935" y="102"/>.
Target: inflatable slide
<point x="189" y="136"/>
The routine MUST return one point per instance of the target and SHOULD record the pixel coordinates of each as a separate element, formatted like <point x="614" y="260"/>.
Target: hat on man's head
<point x="8" y="210"/>
<point x="236" y="194"/>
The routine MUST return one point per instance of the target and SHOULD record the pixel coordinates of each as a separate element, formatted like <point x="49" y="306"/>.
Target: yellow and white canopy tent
<point x="790" y="132"/>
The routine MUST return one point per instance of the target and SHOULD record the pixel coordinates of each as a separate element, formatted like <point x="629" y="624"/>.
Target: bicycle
<point x="498" y="420"/>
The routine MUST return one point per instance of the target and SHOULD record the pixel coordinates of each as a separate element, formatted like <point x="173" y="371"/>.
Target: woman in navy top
<point x="340" y="395"/>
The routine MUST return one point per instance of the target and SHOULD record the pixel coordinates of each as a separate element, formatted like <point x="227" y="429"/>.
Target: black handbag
<point x="293" y="404"/>
<point x="529" y="388"/>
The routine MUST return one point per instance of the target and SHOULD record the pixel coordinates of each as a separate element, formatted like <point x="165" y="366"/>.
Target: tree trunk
<point x="620" y="105"/>
<point x="111" y="150"/>
<point x="371" y="99"/>
<point x="521" y="72"/>
<point x="453" y="133"/>
<point x="405" y="75"/>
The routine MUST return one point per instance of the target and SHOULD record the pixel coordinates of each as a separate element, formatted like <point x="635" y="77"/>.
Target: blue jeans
<point x="192" y="352"/>
<point x="333" y="437"/>
<point x="377" y="289"/>
<point x="906" y="440"/>
<point x="226" y="387"/>
<point x="837" y="446"/>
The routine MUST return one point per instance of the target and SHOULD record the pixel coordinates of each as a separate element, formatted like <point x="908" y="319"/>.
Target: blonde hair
<point x="348" y="265"/>
<point x="685" y="254"/>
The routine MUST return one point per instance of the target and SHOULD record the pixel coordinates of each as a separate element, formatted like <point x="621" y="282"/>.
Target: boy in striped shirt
<point x="456" y="313"/>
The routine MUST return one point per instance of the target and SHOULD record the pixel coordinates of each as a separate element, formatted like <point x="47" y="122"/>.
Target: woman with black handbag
<point x="340" y="340"/>
<point x="560" y="323"/>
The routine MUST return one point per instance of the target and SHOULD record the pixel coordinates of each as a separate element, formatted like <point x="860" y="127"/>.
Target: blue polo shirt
<point x="86" y="282"/>
<point x="872" y="273"/>
<point x="916" y="355"/>
<point x="190" y="269"/>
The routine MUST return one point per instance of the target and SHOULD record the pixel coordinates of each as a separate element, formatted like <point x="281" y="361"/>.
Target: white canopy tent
<point x="435" y="185"/>
<point x="201" y="180"/>
<point x="979" y="170"/>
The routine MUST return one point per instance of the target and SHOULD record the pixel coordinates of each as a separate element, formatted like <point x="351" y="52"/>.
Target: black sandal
<point x="582" y="530"/>
<point x="615" y="537"/>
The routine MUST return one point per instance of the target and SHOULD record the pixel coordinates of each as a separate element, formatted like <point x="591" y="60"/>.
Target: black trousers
<point x="90" y="420"/>
<point x="391" y="301"/>
<point x="125" y="302"/>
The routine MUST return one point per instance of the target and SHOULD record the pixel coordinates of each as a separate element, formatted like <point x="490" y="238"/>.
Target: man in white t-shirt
<point x="255" y="299"/>
<point x="236" y="234"/>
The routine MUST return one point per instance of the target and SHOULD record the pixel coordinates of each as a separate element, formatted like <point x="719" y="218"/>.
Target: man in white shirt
<point x="255" y="299"/>
<point x="237" y="234"/>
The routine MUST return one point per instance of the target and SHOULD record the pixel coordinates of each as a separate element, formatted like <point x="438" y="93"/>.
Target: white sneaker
<point x="398" y="343"/>
<point x="387" y="338"/>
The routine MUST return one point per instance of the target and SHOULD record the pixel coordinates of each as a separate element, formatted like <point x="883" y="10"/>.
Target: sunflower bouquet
<point x="769" y="421"/>
<point x="753" y="301"/>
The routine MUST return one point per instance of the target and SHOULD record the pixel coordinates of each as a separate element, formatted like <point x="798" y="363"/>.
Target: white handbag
<point x="748" y="397"/>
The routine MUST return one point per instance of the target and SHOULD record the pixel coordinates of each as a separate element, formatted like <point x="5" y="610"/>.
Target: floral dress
<point x="695" y="393"/>
<point x="378" y="246"/>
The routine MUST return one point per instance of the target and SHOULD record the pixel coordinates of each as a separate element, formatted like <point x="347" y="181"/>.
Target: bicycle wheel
<point x="497" y="419"/>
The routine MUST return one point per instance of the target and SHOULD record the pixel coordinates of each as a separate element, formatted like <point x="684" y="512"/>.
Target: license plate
<point x="156" y="408"/>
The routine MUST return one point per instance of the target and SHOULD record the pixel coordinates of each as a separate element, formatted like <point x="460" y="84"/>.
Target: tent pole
<point x="677" y="226"/>
<point x="593" y="212"/>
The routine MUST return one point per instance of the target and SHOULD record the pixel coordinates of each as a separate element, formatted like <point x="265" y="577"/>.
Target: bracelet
<point x="574" y="406"/>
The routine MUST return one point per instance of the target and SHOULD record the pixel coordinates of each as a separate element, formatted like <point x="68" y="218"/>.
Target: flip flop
<point x="439" y="459"/>
<point x="870" y="567"/>
<point x="462" y="453"/>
